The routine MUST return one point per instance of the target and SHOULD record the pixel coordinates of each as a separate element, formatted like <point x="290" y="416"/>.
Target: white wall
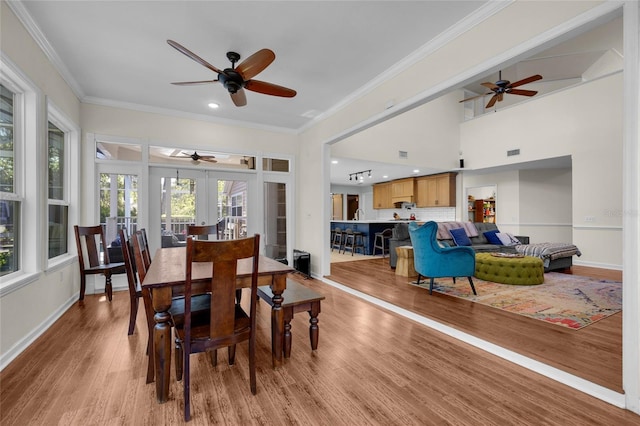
<point x="584" y="122"/>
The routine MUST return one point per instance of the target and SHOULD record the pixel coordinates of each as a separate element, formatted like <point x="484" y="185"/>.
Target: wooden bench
<point x="297" y="298"/>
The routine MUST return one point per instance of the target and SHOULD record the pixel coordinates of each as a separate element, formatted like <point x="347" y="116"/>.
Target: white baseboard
<point x="598" y="265"/>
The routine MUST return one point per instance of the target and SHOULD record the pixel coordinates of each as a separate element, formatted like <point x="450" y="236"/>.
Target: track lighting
<point x="359" y="176"/>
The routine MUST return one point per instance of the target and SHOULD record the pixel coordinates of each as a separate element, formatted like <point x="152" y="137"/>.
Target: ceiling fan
<point x="236" y="79"/>
<point x="195" y="157"/>
<point x="500" y="87"/>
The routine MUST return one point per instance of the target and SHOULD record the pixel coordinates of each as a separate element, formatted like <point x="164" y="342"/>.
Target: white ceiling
<point x="115" y="53"/>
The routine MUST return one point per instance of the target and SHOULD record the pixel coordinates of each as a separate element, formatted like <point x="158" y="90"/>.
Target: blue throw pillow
<point x="460" y="237"/>
<point x="492" y="237"/>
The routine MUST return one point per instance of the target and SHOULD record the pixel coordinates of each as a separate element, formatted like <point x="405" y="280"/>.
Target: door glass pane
<point x="275" y="220"/>
<point x="177" y="209"/>
<point x="232" y="208"/>
<point x="118" y="204"/>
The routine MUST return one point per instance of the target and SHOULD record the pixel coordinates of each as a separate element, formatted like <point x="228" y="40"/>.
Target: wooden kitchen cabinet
<point x="382" y="196"/>
<point x="436" y="190"/>
<point x="403" y="190"/>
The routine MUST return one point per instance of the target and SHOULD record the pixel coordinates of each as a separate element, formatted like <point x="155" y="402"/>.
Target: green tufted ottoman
<point x="525" y="270"/>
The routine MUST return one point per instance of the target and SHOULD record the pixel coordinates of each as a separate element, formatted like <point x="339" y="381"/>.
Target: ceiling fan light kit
<point x="236" y="79"/>
<point x="500" y="87"/>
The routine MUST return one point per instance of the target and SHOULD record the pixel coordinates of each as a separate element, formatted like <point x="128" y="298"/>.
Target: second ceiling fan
<point x="500" y="87"/>
<point x="236" y="79"/>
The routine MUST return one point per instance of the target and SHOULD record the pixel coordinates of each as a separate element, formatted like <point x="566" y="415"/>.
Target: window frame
<point x="27" y="136"/>
<point x="71" y="179"/>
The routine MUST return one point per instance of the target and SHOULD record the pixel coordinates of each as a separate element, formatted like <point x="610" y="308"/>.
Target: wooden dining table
<point x="165" y="280"/>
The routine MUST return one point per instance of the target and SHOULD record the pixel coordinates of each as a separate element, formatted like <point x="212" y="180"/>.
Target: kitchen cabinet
<point x="403" y="190"/>
<point x="436" y="190"/>
<point x="382" y="196"/>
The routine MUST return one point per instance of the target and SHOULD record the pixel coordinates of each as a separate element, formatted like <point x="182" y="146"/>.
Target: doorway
<point x="181" y="197"/>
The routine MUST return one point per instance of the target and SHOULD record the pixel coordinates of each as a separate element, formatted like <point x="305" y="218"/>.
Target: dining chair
<point x="228" y="323"/>
<point x="135" y="289"/>
<point x="88" y="242"/>
<point x="202" y="232"/>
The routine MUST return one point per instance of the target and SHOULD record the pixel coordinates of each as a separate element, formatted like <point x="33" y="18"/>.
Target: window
<point x="236" y="205"/>
<point x="10" y="199"/>
<point x="118" y="204"/>
<point x="58" y="206"/>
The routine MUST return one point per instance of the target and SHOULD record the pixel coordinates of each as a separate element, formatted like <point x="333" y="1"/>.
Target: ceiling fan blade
<point x="239" y="98"/>
<point x="522" y="92"/>
<point x="492" y="101"/>
<point x="255" y="63"/>
<point x="500" y="97"/>
<point x="489" y="85"/>
<point x="210" y="160"/>
<point x="475" y="97"/>
<point x="269" y="89"/>
<point x="526" y="80"/>
<point x="180" y="48"/>
<point x="193" y="83"/>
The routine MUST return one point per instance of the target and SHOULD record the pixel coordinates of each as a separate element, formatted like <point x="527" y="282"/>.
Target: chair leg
<point x="187" y="393"/>
<point x="232" y="354"/>
<point x="214" y="357"/>
<point x="179" y="360"/>
<point x="418" y="280"/>
<point x="252" y="362"/>
<point x="83" y="285"/>
<point x="107" y="287"/>
<point x="238" y="296"/>
<point x="133" y="314"/>
<point x="431" y="286"/>
<point x="472" y="287"/>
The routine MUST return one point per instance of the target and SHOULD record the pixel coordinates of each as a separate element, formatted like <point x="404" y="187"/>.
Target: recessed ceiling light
<point x="385" y="176"/>
<point x="334" y="161"/>
<point x="416" y="171"/>
<point x="213" y="105"/>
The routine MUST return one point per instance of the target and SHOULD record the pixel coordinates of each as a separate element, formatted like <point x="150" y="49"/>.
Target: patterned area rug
<point x="567" y="300"/>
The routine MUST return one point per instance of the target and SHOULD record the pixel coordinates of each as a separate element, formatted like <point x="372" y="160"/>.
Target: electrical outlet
<point x="589" y="218"/>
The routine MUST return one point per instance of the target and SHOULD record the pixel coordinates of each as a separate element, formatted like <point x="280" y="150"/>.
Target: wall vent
<point x="403" y="154"/>
<point x="513" y="152"/>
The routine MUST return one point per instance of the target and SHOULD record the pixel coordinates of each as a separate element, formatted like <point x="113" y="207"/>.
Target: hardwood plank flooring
<point x="372" y="367"/>
<point x="593" y="353"/>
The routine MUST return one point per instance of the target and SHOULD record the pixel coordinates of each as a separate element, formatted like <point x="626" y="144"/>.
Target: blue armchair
<point x="433" y="261"/>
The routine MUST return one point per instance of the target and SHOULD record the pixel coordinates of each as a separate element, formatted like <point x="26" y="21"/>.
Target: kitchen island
<point x="369" y="228"/>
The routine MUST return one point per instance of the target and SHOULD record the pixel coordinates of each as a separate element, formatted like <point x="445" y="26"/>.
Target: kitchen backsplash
<point x="438" y="214"/>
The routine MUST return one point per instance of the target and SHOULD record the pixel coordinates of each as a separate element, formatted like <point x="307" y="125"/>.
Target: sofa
<point x="400" y="237"/>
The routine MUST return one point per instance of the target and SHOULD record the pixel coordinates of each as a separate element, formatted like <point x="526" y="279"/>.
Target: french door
<point x="179" y="197"/>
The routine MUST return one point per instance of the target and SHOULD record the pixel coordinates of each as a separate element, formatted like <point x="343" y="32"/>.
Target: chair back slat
<point x="128" y="257"/>
<point x="140" y="254"/>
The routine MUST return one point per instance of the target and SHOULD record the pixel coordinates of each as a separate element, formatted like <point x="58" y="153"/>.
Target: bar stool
<point x="353" y="240"/>
<point x="381" y="241"/>
<point x="337" y="240"/>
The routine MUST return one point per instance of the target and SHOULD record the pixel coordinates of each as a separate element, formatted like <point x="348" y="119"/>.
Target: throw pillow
<point x="460" y="237"/>
<point x="492" y="237"/>
<point x="508" y="239"/>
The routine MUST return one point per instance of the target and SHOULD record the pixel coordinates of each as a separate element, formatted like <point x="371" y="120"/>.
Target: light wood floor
<point x="372" y="367"/>
<point x="593" y="353"/>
